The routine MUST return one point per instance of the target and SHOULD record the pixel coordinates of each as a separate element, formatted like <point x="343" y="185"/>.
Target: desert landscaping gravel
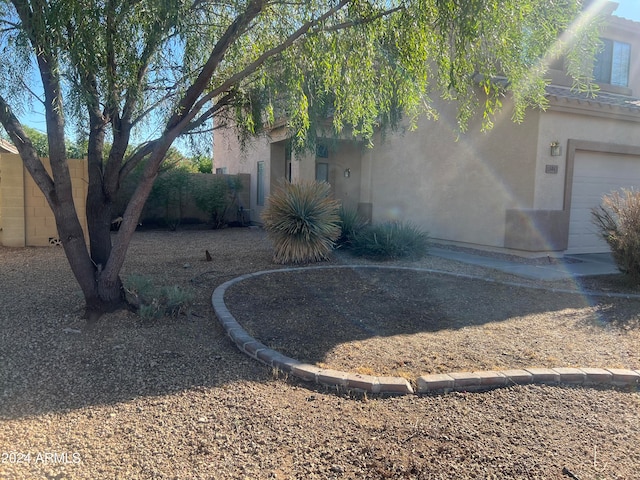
<point x="174" y="399"/>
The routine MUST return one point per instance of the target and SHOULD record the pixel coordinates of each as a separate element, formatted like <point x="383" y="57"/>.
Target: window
<point x="322" y="151"/>
<point x="612" y="63"/>
<point x="221" y="171"/>
<point x="287" y="161"/>
<point x="260" y="181"/>
<point x="322" y="172"/>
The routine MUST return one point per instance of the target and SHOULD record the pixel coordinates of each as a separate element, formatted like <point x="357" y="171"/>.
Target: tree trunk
<point x="99" y="205"/>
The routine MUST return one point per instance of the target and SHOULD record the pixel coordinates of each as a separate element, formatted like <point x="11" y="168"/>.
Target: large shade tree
<point x="109" y="67"/>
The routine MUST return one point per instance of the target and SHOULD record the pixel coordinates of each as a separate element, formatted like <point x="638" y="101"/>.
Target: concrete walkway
<point x="569" y="266"/>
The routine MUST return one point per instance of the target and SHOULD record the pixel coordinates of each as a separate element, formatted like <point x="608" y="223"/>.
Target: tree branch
<point x="231" y="34"/>
<point x="258" y="62"/>
<point x="26" y="149"/>
<point x="359" y="21"/>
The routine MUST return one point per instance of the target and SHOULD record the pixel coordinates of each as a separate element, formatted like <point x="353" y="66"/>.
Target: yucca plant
<point x="302" y="221"/>
<point x="618" y="221"/>
<point x="351" y="222"/>
<point x="391" y="240"/>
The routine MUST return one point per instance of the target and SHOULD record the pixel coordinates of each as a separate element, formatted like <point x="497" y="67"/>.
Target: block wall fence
<point x="25" y="217"/>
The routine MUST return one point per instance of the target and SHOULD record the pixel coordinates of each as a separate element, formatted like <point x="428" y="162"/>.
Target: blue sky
<point x="628" y="9"/>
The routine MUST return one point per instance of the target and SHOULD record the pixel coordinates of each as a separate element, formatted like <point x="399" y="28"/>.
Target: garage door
<point x="596" y="174"/>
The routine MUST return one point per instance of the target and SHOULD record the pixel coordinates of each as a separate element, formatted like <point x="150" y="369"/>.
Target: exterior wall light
<point x="556" y="149"/>
<point x="347" y="172"/>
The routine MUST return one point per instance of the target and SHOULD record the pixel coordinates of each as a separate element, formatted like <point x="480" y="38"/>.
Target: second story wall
<point x="617" y="68"/>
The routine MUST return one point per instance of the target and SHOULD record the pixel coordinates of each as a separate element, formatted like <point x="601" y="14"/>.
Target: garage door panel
<point x="596" y="175"/>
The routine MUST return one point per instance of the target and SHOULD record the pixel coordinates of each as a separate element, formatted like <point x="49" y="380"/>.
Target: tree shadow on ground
<point x="68" y="366"/>
<point x="305" y="314"/>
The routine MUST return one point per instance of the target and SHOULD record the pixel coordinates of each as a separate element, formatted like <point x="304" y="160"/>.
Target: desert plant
<point x="351" y="223"/>
<point x="155" y="302"/>
<point x="302" y="221"/>
<point x="390" y="240"/>
<point x="618" y="222"/>
<point x="215" y="194"/>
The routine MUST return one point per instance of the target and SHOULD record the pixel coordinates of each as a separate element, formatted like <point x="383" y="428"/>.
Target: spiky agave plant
<point x="302" y="221"/>
<point x="351" y="223"/>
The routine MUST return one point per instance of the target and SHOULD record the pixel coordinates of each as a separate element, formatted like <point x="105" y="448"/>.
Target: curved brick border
<point x="437" y="383"/>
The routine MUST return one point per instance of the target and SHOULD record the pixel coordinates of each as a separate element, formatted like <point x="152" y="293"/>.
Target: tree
<point x="114" y="66"/>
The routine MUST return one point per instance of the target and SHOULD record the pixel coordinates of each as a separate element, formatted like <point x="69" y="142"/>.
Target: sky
<point x="628" y="9"/>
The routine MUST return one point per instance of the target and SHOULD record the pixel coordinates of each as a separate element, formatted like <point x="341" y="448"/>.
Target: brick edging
<point x="426" y="384"/>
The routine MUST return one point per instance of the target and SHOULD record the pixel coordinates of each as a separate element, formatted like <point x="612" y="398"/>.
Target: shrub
<point x="169" y="193"/>
<point x="302" y="221"/>
<point x="351" y="223"/>
<point x="215" y="194"/>
<point x="156" y="302"/>
<point x="618" y="222"/>
<point x="391" y="240"/>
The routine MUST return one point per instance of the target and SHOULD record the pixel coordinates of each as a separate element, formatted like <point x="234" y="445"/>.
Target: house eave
<point x="6" y="147"/>
<point x="594" y="109"/>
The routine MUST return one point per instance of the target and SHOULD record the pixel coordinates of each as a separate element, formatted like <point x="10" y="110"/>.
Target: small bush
<point x="351" y="223"/>
<point x="215" y="195"/>
<point x="618" y="221"/>
<point x="302" y="221"/>
<point x="156" y="302"/>
<point x="169" y="195"/>
<point x="391" y="240"/>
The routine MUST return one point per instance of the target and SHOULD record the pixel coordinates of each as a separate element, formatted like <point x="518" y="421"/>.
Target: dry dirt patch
<point x="408" y="323"/>
<point x="174" y="399"/>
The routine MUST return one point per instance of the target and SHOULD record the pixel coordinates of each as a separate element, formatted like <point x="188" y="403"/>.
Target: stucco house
<point x="527" y="187"/>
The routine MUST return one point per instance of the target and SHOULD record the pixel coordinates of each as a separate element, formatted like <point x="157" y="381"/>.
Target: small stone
<point x="337" y="469"/>
<point x="71" y="330"/>
<point x="203" y="420"/>
<point x="186" y="265"/>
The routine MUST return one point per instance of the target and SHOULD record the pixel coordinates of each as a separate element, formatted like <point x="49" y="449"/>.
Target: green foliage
<point x="203" y="163"/>
<point x="391" y="240"/>
<point x="351" y="223"/>
<point x="302" y="221"/>
<point x="215" y="195"/>
<point x="169" y="194"/>
<point x="155" y="302"/>
<point x="618" y="221"/>
<point x="41" y="144"/>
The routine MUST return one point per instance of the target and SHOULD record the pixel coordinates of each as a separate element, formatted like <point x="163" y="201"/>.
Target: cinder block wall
<point x="25" y="216"/>
<point x="12" y="221"/>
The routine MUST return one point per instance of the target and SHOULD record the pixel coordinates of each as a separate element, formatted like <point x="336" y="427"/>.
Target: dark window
<point x="322" y="151"/>
<point x="322" y="172"/>
<point x="260" y="181"/>
<point x="612" y="63"/>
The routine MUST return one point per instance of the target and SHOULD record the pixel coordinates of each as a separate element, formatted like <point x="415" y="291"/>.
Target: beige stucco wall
<point x="227" y="153"/>
<point x="12" y="219"/>
<point x="345" y="157"/>
<point x="456" y="189"/>
<point x="626" y="31"/>
<point x="25" y="216"/>
<point x="562" y="126"/>
<point x="271" y="149"/>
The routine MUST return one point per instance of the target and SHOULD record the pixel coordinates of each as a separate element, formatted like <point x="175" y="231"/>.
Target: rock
<point x="71" y="330"/>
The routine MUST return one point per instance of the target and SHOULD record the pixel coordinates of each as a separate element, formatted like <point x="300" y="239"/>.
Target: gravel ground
<point x="174" y="399"/>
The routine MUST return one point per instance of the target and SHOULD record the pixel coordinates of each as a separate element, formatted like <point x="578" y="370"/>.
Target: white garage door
<point x="596" y="174"/>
